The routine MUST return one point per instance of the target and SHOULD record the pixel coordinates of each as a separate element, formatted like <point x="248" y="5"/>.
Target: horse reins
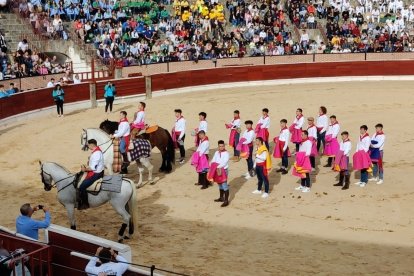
<point x="110" y="140"/>
<point x="56" y="182"/>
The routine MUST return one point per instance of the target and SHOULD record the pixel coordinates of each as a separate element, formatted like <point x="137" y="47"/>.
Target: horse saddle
<point x="151" y="129"/>
<point x="109" y="183"/>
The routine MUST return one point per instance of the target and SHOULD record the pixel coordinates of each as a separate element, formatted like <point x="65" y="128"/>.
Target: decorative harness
<point x="103" y="152"/>
<point x="74" y="182"/>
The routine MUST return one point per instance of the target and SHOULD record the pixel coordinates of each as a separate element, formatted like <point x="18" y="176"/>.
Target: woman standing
<point x="109" y="96"/>
<point x="58" y="96"/>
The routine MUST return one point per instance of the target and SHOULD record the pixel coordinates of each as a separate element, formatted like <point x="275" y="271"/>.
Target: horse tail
<point x="133" y="208"/>
<point x="170" y="148"/>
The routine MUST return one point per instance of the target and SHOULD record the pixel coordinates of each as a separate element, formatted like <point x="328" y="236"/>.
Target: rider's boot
<point x="83" y="203"/>
<point x="125" y="163"/>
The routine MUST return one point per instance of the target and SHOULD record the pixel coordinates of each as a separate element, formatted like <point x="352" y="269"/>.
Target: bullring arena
<point x="328" y="231"/>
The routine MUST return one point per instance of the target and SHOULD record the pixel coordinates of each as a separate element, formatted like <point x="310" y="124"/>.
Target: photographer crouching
<point x="27" y="226"/>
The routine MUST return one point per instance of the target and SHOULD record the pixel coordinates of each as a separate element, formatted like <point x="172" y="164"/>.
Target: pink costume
<point x="244" y="149"/>
<point x="279" y="145"/>
<point x="214" y="176"/>
<point x="302" y="165"/>
<point x="199" y="162"/>
<point x="296" y="133"/>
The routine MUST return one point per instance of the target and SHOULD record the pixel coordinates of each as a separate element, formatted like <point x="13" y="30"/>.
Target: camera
<point x="40" y="207"/>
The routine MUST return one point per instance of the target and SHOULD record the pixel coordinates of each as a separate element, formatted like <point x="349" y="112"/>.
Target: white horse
<point x="65" y="182"/>
<point x="107" y="146"/>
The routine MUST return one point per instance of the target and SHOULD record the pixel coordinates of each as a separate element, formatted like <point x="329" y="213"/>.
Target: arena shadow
<point x="200" y="248"/>
<point x="5" y="130"/>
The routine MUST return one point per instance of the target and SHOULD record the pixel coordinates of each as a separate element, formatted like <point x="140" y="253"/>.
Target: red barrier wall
<point x="40" y="98"/>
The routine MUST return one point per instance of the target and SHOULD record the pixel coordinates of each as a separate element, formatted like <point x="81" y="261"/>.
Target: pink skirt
<point x="262" y="132"/>
<point x="331" y="146"/>
<point x="296" y="134"/>
<point x="302" y="165"/>
<point x="243" y="149"/>
<point x="314" y="150"/>
<point x="361" y="160"/>
<point x="278" y="151"/>
<point x="213" y="175"/>
<point x="341" y="161"/>
<point x="199" y="162"/>
<point x="232" y="138"/>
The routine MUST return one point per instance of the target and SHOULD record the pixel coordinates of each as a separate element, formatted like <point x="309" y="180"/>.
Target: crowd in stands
<point x="176" y="30"/>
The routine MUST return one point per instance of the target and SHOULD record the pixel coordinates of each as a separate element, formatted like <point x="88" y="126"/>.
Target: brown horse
<point x="160" y="138"/>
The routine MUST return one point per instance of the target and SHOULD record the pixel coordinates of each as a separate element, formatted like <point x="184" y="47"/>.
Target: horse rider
<point x="139" y="122"/>
<point x="123" y="133"/>
<point x="94" y="170"/>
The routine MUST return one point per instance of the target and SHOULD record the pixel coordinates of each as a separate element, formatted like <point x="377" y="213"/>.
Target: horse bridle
<point x="85" y="146"/>
<point x="49" y="186"/>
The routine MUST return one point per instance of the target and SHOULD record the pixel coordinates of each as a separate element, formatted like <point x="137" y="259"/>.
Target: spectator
<point x="3" y="44"/>
<point x="23" y="45"/>
<point x="104" y="256"/>
<point x="109" y="95"/>
<point x="27" y="226"/>
<point x="3" y="93"/>
<point x="76" y="79"/>
<point x="58" y="96"/>
<point x="12" y="89"/>
<point x="51" y="83"/>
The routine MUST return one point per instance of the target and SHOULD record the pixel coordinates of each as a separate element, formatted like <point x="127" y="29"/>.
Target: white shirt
<point x="50" y="84"/>
<point x="235" y="123"/>
<point x="299" y="122"/>
<point x="306" y="147"/>
<point x="96" y="161"/>
<point x="180" y="127"/>
<point x="312" y="132"/>
<point x="203" y="147"/>
<point x="109" y="268"/>
<point x="222" y="158"/>
<point x="123" y="129"/>
<point x="76" y="81"/>
<point x="265" y="121"/>
<point x="140" y="117"/>
<point x="260" y="158"/>
<point x="322" y="122"/>
<point x="333" y="130"/>
<point x="202" y="126"/>
<point x="363" y="144"/>
<point x="284" y="137"/>
<point x="345" y="147"/>
<point x="249" y="136"/>
<point x="380" y="138"/>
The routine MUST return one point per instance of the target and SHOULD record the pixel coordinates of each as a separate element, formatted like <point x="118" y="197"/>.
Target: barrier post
<point x="92" y="94"/>
<point x="148" y="87"/>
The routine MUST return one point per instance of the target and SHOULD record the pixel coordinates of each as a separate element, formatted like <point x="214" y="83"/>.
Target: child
<point x="139" y="122"/>
<point x="281" y="147"/>
<point x="245" y="147"/>
<point x="263" y="166"/>
<point x="234" y="138"/>
<point x="262" y="127"/>
<point x="342" y="161"/>
<point x="302" y="165"/>
<point x="296" y="128"/>
<point x="377" y="147"/>
<point x="178" y="133"/>
<point x="322" y="123"/>
<point x="202" y="126"/>
<point x="331" y="141"/>
<point x="313" y="136"/>
<point x="219" y="172"/>
<point x="200" y="160"/>
<point x="361" y="159"/>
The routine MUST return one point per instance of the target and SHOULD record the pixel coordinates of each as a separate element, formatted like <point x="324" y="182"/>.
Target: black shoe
<point x="284" y="171"/>
<point x="327" y="166"/>
<point x="221" y="198"/>
<point x="338" y="184"/>
<point x="280" y="170"/>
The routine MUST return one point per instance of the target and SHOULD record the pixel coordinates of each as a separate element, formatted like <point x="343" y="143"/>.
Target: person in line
<point x="94" y="171"/>
<point x="109" y="95"/>
<point x="313" y="136"/>
<point x="263" y="165"/>
<point x="296" y="129"/>
<point x="200" y="160"/>
<point x="234" y="138"/>
<point x="331" y="141"/>
<point x="29" y="227"/>
<point x="219" y="172"/>
<point x="59" y="97"/>
<point x="178" y="133"/>
<point x="139" y="122"/>
<point x="262" y="127"/>
<point x="377" y="153"/>
<point x="282" y="147"/>
<point x="51" y="83"/>
<point x="123" y="133"/>
<point x="361" y="158"/>
<point x="302" y="165"/>
<point x="322" y="123"/>
<point x="202" y="126"/>
<point x="342" y="161"/>
<point x="246" y="142"/>
<point x="102" y="263"/>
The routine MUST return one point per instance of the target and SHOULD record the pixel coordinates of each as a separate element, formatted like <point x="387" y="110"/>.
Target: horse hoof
<point x="121" y="241"/>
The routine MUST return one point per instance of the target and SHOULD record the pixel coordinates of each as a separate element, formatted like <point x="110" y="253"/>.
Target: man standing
<point x="322" y="123"/>
<point x="104" y="256"/>
<point x="377" y="152"/>
<point x="139" y="122"/>
<point x="94" y="170"/>
<point x="178" y="133"/>
<point x="263" y="166"/>
<point x="123" y="134"/>
<point x="331" y="141"/>
<point x="234" y="138"/>
<point x="219" y="168"/>
<point x="27" y="226"/>
<point x="302" y="163"/>
<point x="247" y="140"/>
<point x="202" y="159"/>
<point x="361" y="159"/>
<point x="342" y="161"/>
<point x="262" y="127"/>
<point x="202" y="126"/>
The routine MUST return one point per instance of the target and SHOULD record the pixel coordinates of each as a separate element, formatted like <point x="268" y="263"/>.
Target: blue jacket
<point x="110" y="91"/>
<point x="29" y="227"/>
<point x="4" y="94"/>
<point x="58" y="94"/>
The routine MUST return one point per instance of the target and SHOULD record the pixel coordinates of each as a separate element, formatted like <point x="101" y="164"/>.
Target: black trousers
<point x="109" y="103"/>
<point x="59" y="107"/>
<point x="181" y="147"/>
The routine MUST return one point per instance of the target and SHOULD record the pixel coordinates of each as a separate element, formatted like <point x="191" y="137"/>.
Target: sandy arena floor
<point x="360" y="231"/>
